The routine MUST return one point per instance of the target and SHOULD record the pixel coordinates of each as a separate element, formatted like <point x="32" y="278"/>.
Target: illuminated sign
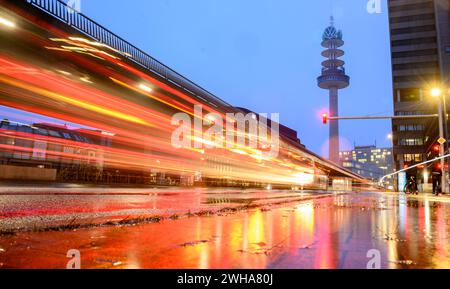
<point x="401" y="181"/>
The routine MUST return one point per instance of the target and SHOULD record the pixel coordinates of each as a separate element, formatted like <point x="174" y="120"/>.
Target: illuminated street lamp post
<point x="437" y="93"/>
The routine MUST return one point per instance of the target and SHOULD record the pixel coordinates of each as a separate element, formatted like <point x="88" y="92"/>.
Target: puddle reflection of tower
<point x="333" y="78"/>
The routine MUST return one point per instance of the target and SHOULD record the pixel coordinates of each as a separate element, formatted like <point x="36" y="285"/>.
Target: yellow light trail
<point x="66" y="99"/>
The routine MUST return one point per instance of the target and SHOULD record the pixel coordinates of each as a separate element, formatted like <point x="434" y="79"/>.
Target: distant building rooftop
<point x="284" y="130"/>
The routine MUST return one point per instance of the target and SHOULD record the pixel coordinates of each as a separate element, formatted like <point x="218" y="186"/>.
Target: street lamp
<point x="437" y="93"/>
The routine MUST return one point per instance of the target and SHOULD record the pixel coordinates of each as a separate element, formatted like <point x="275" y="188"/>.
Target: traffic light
<point x="325" y="118"/>
<point x="436" y="148"/>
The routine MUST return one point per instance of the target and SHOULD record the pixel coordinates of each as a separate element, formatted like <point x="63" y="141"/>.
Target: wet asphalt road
<point x="334" y="231"/>
<point x="43" y="208"/>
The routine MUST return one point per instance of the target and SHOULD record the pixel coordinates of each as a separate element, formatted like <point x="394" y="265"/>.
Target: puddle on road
<point x="335" y="232"/>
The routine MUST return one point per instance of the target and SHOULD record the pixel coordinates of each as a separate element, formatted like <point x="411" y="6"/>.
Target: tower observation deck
<point x="333" y="78"/>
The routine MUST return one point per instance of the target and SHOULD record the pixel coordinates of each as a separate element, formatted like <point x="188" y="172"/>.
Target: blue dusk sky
<point x="265" y="55"/>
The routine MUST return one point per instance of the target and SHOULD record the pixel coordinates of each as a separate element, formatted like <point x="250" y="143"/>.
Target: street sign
<point x="442" y="141"/>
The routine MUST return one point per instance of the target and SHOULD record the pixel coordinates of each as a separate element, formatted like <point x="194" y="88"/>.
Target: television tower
<point x="333" y="78"/>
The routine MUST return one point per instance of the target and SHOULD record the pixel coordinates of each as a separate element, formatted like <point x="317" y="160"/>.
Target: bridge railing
<point x="89" y="27"/>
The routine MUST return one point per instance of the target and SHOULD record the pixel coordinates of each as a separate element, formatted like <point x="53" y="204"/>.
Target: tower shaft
<point x="334" y="125"/>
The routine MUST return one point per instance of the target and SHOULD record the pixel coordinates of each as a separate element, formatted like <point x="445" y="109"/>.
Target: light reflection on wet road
<point x="332" y="232"/>
<point x="43" y="208"/>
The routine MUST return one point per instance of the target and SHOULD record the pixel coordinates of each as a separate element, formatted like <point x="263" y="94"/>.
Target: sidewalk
<point x="423" y="196"/>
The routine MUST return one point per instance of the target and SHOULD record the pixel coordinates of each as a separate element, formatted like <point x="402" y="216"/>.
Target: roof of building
<point x="45" y="129"/>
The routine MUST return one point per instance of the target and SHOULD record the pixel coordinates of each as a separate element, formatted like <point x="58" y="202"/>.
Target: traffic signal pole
<point x="381" y="117"/>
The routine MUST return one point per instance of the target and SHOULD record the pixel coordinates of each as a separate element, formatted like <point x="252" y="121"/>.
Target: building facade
<point x="368" y="161"/>
<point x="420" y="47"/>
